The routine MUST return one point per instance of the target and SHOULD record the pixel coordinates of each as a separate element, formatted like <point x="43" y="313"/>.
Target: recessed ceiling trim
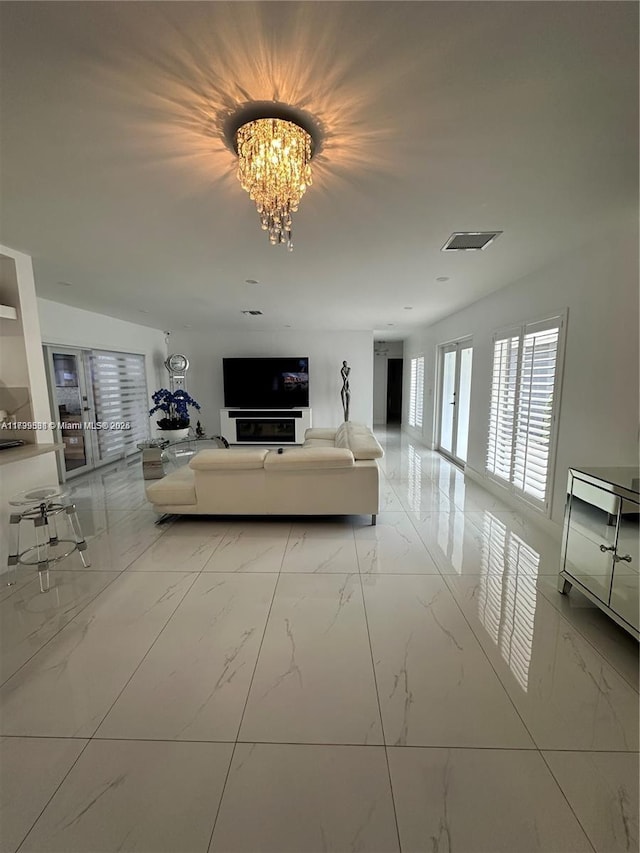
<point x="470" y="241"/>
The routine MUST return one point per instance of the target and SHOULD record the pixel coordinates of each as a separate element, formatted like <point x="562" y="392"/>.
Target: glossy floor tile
<point x="9" y="585"/>
<point x="305" y="684"/>
<point x="30" y="771"/>
<point x="333" y="527"/>
<point x="567" y="694"/>
<point x="29" y="619"/>
<point x="67" y="688"/>
<point x="321" y="554"/>
<point x="306" y="799"/>
<point x="314" y="681"/>
<point x="193" y="683"/>
<point x="481" y="801"/>
<point x="181" y="548"/>
<point x="435" y="685"/>
<point x="149" y="796"/>
<point x="240" y="551"/>
<point x="602" y="790"/>
<point x="392" y="546"/>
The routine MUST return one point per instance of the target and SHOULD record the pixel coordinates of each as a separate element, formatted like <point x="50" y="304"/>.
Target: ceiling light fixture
<point x="274" y="144"/>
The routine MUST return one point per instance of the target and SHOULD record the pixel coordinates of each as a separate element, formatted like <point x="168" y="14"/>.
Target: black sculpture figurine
<point x="345" y="393"/>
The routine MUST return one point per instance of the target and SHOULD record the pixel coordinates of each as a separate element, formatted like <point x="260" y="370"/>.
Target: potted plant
<point x="174" y="404"/>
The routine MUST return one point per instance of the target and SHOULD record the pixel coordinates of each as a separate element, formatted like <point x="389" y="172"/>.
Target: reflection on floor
<point x="315" y="684"/>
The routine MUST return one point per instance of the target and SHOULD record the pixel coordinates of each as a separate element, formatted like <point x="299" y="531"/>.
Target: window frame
<point x="520" y="330"/>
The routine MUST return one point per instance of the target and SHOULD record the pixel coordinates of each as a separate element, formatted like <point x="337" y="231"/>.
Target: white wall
<point x="598" y="423"/>
<point x="382" y="352"/>
<point x="326" y="352"/>
<point x="74" y="327"/>
<point x="62" y="324"/>
<point x="21" y="362"/>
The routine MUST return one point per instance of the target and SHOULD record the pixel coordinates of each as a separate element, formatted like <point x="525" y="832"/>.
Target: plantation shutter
<point x="503" y="406"/>
<point x="416" y="392"/>
<point x="523" y="406"/>
<point x="120" y="396"/>
<point x="535" y="410"/>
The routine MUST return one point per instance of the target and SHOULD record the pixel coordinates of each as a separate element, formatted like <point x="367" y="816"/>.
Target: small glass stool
<point x="41" y="506"/>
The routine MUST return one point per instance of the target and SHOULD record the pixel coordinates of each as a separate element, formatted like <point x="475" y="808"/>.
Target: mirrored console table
<point x="600" y="551"/>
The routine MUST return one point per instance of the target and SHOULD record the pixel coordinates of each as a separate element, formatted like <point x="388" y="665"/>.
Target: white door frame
<point x="456" y="347"/>
<point x="86" y="404"/>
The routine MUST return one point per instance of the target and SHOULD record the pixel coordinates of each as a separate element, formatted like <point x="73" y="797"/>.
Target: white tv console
<point x="264" y="426"/>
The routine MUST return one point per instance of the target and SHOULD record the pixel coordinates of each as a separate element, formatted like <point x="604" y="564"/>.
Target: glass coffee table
<point x="160" y="456"/>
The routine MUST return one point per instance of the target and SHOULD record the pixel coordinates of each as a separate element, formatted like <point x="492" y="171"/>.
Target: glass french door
<point x="99" y="405"/>
<point x="455" y="395"/>
<point x="71" y="408"/>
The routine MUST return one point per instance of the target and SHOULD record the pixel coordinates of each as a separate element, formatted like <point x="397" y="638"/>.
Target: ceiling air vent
<point x="470" y="241"/>
<point x="253" y="312"/>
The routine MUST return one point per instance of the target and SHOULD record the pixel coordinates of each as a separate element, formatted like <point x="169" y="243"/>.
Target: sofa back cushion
<point x="240" y="459"/>
<point x="305" y="458"/>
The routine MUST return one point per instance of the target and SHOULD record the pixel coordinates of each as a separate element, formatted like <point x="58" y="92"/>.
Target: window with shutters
<point x="416" y="390"/>
<point x="119" y="385"/>
<point x="524" y="404"/>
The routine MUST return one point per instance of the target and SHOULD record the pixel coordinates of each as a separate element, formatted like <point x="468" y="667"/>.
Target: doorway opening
<point x="387" y="382"/>
<point x="394" y="390"/>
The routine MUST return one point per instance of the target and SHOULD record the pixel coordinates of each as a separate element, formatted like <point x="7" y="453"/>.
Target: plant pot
<point x="174" y="434"/>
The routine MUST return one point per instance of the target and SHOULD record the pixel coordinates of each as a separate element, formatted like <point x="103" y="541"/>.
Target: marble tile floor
<point x="310" y="685"/>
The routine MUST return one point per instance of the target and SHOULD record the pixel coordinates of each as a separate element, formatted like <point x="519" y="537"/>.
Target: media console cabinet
<point x="265" y="426"/>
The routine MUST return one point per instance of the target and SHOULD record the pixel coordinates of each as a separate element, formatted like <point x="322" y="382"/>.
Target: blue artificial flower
<point x="175" y="404"/>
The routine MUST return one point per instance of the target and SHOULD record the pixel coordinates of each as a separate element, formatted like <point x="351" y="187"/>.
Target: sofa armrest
<point x="320" y="432"/>
<point x="177" y="488"/>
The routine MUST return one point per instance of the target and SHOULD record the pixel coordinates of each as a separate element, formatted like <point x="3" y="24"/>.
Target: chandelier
<point x="274" y="168"/>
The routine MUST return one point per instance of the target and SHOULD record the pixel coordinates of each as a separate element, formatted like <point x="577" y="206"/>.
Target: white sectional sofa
<point x="334" y="473"/>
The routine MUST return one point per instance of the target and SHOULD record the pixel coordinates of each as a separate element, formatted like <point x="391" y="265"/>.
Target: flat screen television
<point x="265" y="383"/>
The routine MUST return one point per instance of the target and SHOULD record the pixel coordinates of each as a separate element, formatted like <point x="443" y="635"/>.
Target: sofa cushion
<point x="301" y="458"/>
<point x="177" y="488"/>
<point x="229" y="460"/>
<point x="320" y="432"/>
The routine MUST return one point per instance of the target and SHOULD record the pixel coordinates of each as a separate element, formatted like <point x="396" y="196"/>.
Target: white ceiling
<point x="438" y="117"/>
